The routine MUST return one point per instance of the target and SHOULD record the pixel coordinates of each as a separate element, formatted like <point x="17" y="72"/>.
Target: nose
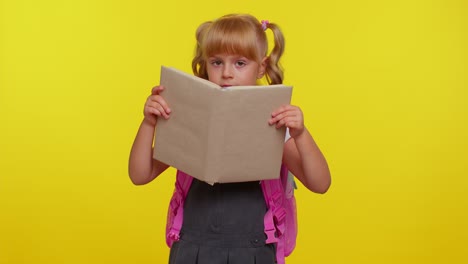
<point x="227" y="72"/>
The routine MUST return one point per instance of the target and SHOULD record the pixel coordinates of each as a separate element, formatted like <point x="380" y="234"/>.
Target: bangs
<point x="233" y="37"/>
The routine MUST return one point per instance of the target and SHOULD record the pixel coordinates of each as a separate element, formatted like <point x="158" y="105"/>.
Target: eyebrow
<point x="234" y="57"/>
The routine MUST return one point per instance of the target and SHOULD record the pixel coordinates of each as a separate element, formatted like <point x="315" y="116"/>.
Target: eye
<point x="215" y="62"/>
<point x="240" y="63"/>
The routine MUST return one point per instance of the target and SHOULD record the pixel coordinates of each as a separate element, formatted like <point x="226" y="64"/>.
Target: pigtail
<point x="274" y="73"/>
<point x="198" y="62"/>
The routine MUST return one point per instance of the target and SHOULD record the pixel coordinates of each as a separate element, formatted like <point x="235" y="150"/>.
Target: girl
<point x="223" y="223"/>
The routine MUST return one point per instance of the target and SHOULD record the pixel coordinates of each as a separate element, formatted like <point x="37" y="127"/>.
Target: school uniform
<point x="223" y="223"/>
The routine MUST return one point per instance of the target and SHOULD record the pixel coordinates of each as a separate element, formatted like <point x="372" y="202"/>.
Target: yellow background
<point x="383" y="86"/>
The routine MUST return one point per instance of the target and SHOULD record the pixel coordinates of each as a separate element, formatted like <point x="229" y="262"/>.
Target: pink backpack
<point x="280" y="220"/>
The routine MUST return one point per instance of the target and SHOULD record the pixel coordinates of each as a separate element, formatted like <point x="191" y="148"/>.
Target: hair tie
<point x="265" y="24"/>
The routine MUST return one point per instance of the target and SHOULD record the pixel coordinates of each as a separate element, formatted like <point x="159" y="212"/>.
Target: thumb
<point x="157" y="89"/>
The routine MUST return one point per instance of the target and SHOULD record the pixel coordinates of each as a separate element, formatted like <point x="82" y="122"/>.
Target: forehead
<point x="234" y="42"/>
<point x="227" y="56"/>
<point x="231" y="50"/>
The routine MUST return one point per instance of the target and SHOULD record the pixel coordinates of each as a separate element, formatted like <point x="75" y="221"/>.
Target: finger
<point x="157" y="104"/>
<point x="294" y="124"/>
<point x="163" y="103"/>
<point x="282" y="109"/>
<point x="157" y="89"/>
<point x="157" y="110"/>
<point x="280" y="123"/>
<point x="278" y="111"/>
<point x="163" y="112"/>
<point x="284" y="121"/>
<point x="149" y="110"/>
<point x="281" y="116"/>
<point x="159" y="100"/>
<point x="290" y="122"/>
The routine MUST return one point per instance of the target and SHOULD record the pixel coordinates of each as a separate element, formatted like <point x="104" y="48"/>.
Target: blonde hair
<point x="239" y="34"/>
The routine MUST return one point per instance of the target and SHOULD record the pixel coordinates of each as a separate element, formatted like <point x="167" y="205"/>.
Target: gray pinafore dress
<point x="223" y="223"/>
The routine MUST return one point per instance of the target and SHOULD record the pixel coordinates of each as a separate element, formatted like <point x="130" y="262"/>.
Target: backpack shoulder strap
<point x="274" y="220"/>
<point x="271" y="193"/>
<point x="175" y="215"/>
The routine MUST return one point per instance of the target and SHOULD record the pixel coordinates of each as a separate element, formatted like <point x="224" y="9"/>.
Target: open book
<point x="220" y="134"/>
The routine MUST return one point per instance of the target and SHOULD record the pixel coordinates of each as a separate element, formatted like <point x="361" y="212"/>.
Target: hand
<point x="156" y="106"/>
<point x="289" y="116"/>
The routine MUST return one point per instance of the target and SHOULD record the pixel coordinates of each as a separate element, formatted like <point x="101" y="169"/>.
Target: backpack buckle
<point x="271" y="237"/>
<point x="174" y="235"/>
<point x="280" y="214"/>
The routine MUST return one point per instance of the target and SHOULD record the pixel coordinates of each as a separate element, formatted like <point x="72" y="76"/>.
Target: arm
<point x="142" y="168"/>
<point x="301" y="154"/>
